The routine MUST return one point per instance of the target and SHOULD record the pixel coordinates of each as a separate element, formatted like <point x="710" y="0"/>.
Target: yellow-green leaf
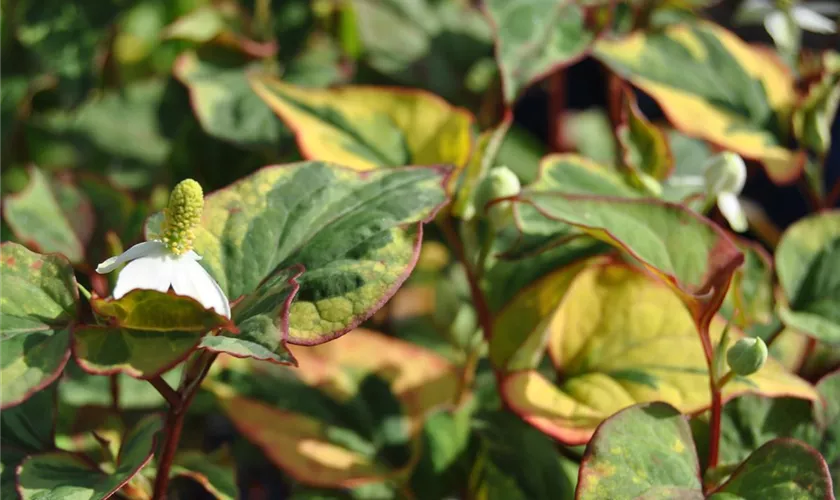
<point x="711" y="84"/>
<point x="370" y="127"/>
<point x="621" y="337"/>
<point x="645" y="146"/>
<point x="158" y="311"/>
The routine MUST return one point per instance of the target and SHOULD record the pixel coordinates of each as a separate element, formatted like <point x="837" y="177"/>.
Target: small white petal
<point x="145" y="273"/>
<point x="191" y="280"/>
<point x="191" y="255"/>
<point x="812" y="21"/>
<point x="135" y="252"/>
<point x="730" y="207"/>
<point x="781" y="29"/>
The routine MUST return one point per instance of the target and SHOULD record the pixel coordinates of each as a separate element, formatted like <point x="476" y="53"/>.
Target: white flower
<point x="781" y="18"/>
<point x="171" y="262"/>
<point x="151" y="266"/>
<point x="725" y="176"/>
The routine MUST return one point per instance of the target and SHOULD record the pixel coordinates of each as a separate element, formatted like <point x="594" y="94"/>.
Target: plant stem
<point x="85" y="291"/>
<point x="556" y="109"/>
<point x="717" y="400"/>
<point x="175" y="418"/>
<point x="168" y="393"/>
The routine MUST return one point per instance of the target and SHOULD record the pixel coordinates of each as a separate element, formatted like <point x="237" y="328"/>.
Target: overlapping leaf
<point x="712" y="85"/>
<point x="645" y="451"/>
<point x="644" y="145"/>
<point x="212" y="472"/>
<point x="367" y="127"/>
<point x="355" y="236"/>
<point x="25" y="429"/>
<point x="147" y="333"/>
<point x="808" y="265"/>
<point x="534" y="37"/>
<point x="52" y="217"/>
<point x="36" y="314"/>
<point x="688" y="252"/>
<point x="60" y="474"/>
<point x="619" y="338"/>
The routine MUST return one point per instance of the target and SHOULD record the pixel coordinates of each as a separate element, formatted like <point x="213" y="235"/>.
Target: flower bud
<point x="182" y="215"/>
<point x="725" y="173"/>
<point x="500" y="182"/>
<point x="747" y="356"/>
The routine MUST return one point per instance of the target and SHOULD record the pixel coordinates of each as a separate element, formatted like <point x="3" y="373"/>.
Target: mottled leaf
<point x="356" y="236"/>
<point x="61" y="474"/>
<point x="645" y="451"/>
<point x="368" y="127"/>
<point x="50" y="217"/>
<point x="620" y="337"/>
<point x="535" y="37"/>
<point x="783" y="468"/>
<point x="808" y="265"/>
<point x="711" y="84"/>
<point x="37" y="310"/>
<point x="25" y="429"/>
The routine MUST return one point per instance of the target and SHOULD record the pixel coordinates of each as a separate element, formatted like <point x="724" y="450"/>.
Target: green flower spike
<point x="182" y="215"/>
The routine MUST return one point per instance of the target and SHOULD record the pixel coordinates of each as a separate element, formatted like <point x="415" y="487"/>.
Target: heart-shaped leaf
<point x="644" y="451"/>
<point x="366" y="128"/>
<point x="535" y="37"/>
<point x="620" y="337"/>
<point x="225" y="104"/>
<point x="808" y="265"/>
<point x="355" y="234"/>
<point x="50" y="217"/>
<point x="687" y="251"/>
<point x="782" y="468"/>
<point x="61" y="474"/>
<point x="712" y="85"/>
<point x="36" y="314"/>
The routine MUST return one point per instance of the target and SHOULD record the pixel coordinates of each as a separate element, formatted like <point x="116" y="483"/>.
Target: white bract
<point x="170" y="262"/>
<point x="725" y="176"/>
<point x="781" y="19"/>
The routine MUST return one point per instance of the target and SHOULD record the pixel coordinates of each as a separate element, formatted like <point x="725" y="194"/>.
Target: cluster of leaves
<point x="563" y="339"/>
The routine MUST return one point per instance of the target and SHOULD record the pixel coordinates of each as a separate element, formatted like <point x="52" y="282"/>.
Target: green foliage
<point x="457" y="250"/>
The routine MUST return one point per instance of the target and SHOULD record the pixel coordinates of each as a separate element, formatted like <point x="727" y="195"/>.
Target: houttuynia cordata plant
<point x="420" y="249"/>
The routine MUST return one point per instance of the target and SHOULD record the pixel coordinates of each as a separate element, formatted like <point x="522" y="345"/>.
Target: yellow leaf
<point x="621" y="337"/>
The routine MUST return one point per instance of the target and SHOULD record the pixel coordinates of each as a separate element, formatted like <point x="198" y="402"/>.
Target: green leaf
<point x="535" y="37"/>
<point x="105" y="350"/>
<point x="422" y="43"/>
<point x="61" y="474"/>
<point x="750" y="298"/>
<point x="212" y="472"/>
<point x="690" y="156"/>
<point x="808" y="265"/>
<point x="815" y="114"/>
<point x="688" y="252"/>
<point x="79" y="389"/>
<point x="827" y="416"/>
<point x="30" y="426"/>
<point x="355" y="234"/>
<point x="644" y="451"/>
<point x="712" y="85"/>
<point x="37" y="312"/>
<point x="224" y="103"/>
<point x="117" y="134"/>
<point x="51" y="218"/>
<point x="645" y="146"/>
<point x="152" y="310"/>
<point x="517" y="462"/>
<point x="782" y="468"/>
<point x="590" y="133"/>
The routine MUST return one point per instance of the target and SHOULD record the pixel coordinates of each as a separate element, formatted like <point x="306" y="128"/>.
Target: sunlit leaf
<point x="535" y="37"/>
<point x="808" y="266"/>
<point x="368" y="127"/>
<point x="783" y="468"/>
<point x="711" y="84"/>
<point x="37" y="311"/>
<point x="60" y="474"/>
<point x="645" y="451"/>
<point x="618" y="338"/>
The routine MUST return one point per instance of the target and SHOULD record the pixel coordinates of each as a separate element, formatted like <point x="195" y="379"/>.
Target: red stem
<point x="556" y="109"/>
<point x="175" y="419"/>
<point x="717" y="400"/>
<point x="169" y="394"/>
